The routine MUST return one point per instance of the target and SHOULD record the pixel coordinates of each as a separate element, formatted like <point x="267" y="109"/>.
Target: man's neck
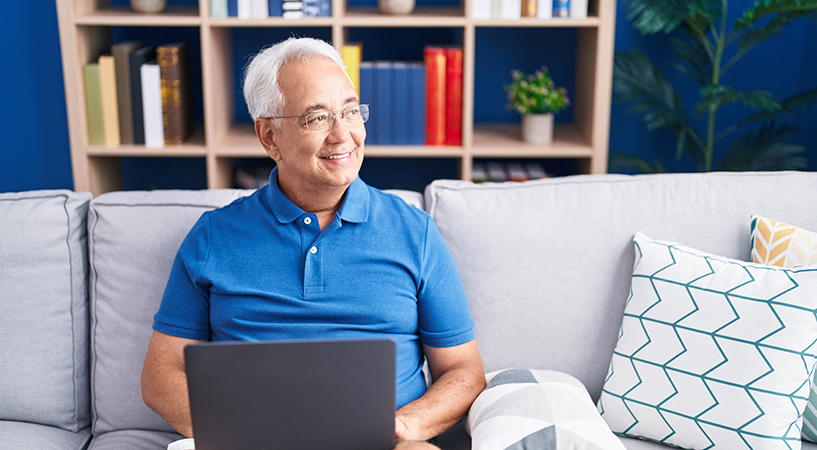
<point x="324" y="204"/>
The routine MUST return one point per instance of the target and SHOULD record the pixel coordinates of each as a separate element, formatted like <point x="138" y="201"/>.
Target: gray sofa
<point x="546" y="265"/>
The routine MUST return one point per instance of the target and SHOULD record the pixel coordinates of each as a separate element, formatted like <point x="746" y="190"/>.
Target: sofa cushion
<point x="133" y="440"/>
<point x="537" y="409"/>
<point x="132" y="239"/>
<point x="785" y="245"/>
<point x="713" y="352"/>
<point x="44" y="308"/>
<point x="546" y="264"/>
<point x="28" y="436"/>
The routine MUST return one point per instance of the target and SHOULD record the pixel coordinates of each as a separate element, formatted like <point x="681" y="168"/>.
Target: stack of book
<point x="444" y="95"/>
<point x="139" y="95"/>
<point x="499" y="172"/>
<point x="516" y="9"/>
<point x="259" y="9"/>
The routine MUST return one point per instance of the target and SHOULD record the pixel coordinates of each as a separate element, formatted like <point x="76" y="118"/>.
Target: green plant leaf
<point x="695" y="63"/>
<point x="723" y="94"/>
<point x="654" y="16"/>
<point x="783" y="12"/>
<point x="765" y="149"/>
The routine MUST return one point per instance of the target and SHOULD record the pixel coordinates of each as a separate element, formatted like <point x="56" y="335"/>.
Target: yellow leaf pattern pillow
<point x="782" y="245"/>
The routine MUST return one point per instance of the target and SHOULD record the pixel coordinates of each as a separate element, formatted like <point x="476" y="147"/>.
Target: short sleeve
<point x="185" y="307"/>
<point x="445" y="320"/>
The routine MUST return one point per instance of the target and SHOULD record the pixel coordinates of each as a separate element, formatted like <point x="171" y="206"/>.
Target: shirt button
<point x="307" y="221"/>
<point x="313" y="250"/>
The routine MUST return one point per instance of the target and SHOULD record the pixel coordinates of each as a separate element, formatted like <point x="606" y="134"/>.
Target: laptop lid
<point x="305" y="395"/>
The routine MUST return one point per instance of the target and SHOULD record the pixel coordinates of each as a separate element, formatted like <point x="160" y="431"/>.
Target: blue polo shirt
<point x="260" y="268"/>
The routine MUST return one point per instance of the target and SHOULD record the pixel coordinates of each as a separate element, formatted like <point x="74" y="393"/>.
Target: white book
<point x="218" y="9"/>
<point x="544" y="9"/>
<point x="244" y="9"/>
<point x="481" y="9"/>
<point x="260" y="9"/>
<point x="292" y="6"/>
<point x="511" y="9"/>
<point x="293" y="14"/>
<point x="152" y="105"/>
<point x="578" y="9"/>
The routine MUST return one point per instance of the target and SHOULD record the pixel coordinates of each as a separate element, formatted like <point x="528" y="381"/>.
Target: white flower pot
<point x="537" y="128"/>
<point x="396" y="6"/>
<point x="148" y="6"/>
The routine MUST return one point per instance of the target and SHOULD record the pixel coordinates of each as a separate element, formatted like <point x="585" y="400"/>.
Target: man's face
<point x="314" y="160"/>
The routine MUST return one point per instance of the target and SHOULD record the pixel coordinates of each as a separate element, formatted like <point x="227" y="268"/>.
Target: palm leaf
<point x="765" y="149"/>
<point x="654" y="16"/>
<point x="695" y="62"/>
<point x="783" y="12"/>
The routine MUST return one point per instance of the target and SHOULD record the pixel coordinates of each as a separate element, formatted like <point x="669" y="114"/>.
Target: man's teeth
<point x="338" y="156"/>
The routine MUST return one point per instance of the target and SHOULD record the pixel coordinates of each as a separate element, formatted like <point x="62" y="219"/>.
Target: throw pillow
<point x="537" y="409"/>
<point x="713" y="352"/>
<point x="784" y="245"/>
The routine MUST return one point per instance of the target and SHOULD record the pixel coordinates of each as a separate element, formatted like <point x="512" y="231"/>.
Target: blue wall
<point x="34" y="148"/>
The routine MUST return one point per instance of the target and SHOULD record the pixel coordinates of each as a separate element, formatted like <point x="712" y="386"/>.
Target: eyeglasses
<point x="323" y="120"/>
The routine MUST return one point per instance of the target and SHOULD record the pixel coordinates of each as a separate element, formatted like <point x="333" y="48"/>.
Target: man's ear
<point x="268" y="135"/>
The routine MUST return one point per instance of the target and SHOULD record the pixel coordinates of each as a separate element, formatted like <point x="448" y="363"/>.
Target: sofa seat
<point x="133" y="440"/>
<point x="15" y="435"/>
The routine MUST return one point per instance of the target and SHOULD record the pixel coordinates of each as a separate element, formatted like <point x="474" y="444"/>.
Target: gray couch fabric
<point x="31" y="436"/>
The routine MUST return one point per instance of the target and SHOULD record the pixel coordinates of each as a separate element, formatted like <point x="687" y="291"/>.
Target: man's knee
<point x="415" y="445"/>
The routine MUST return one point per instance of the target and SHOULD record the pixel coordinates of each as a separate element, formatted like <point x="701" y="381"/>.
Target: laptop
<point x="292" y="395"/>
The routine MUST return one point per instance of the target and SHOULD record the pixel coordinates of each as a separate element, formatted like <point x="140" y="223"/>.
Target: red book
<point x="435" y="95"/>
<point x="453" y="92"/>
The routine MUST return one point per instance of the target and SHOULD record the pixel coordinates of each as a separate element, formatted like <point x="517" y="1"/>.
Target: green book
<point x="93" y="104"/>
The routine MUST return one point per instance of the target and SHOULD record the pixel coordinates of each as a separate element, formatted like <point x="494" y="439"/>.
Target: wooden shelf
<point x="85" y="33"/>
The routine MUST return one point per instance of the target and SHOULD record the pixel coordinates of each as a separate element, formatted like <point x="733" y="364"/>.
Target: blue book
<point x="232" y="8"/>
<point x="326" y="8"/>
<point x="312" y="8"/>
<point x="399" y="103"/>
<point x="275" y="8"/>
<point x="417" y="104"/>
<point x="367" y="96"/>
<point x="383" y="85"/>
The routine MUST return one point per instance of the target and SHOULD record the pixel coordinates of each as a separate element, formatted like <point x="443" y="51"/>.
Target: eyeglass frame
<point x="332" y="115"/>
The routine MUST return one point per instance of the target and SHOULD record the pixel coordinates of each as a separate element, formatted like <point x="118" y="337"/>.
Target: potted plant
<point x="537" y="98"/>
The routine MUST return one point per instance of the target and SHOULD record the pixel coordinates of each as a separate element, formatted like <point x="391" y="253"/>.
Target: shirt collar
<point x="355" y="206"/>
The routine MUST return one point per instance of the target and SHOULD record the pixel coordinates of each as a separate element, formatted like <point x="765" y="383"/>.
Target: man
<point x="318" y="254"/>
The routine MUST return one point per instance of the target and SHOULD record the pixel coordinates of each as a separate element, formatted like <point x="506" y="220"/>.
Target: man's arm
<point x="164" y="383"/>
<point x="458" y="378"/>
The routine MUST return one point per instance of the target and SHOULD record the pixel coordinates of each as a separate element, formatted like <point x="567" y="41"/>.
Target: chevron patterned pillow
<point x="537" y="410"/>
<point x="784" y="245"/>
<point x="713" y="352"/>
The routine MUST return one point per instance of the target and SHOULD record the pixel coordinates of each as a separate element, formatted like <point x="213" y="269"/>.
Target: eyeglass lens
<point x="353" y="115"/>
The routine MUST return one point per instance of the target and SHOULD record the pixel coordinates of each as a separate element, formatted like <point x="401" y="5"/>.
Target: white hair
<point x="261" y="90"/>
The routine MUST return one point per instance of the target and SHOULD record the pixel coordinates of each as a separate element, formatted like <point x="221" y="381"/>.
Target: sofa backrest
<point x="547" y="264"/>
<point x="132" y="239"/>
<point x="44" y="309"/>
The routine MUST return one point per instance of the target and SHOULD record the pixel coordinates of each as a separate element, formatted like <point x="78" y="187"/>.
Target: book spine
<point x="453" y="96"/>
<point x="435" y="95"/>
<point x="312" y="8"/>
<point x="326" y="8"/>
<point x="529" y="8"/>
<point x="351" y="54"/>
<point x="561" y="8"/>
<point x="172" y="60"/>
<point x="93" y="104"/>
<point x="110" y="107"/>
<point x="232" y="8"/>
<point x="384" y="85"/>
<point x="367" y="96"/>
<point x="135" y="61"/>
<point x="496" y="9"/>
<point x="152" y="105"/>
<point x="292" y="9"/>
<point x="399" y="103"/>
<point x="481" y="9"/>
<point x="275" y="9"/>
<point x="218" y="9"/>
<point x="245" y="9"/>
<point x="544" y="9"/>
<point x="260" y="9"/>
<point x="417" y="105"/>
<point x="578" y="9"/>
<point x="121" y="56"/>
<point x="511" y="9"/>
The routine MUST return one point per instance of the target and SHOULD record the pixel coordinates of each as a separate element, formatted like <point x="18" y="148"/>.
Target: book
<point x="496" y="9"/>
<point x="151" y="78"/>
<point x="176" y="109"/>
<point x="511" y="9"/>
<point x="275" y="9"/>
<point x="399" y="103"/>
<point x="561" y="8"/>
<point x="121" y="52"/>
<point x="110" y="106"/>
<point x="435" y="95"/>
<point x="232" y="8"/>
<point x="481" y="9"/>
<point x="529" y="8"/>
<point x="517" y="172"/>
<point x="292" y="9"/>
<point x="453" y="96"/>
<point x="496" y="172"/>
<point x="578" y="9"/>
<point x="135" y="60"/>
<point x="326" y="8"/>
<point x="218" y="9"/>
<point x="383" y="86"/>
<point x="544" y="9"/>
<point x="259" y="8"/>
<point x="93" y="104"/>
<point x="351" y="54"/>
<point x="312" y="8"/>
<point x="417" y="103"/>
<point x="367" y="96"/>
<point x="245" y="9"/>
<point x="479" y="174"/>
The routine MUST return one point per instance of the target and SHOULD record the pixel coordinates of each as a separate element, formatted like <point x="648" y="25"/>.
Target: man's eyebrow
<point x="352" y="99"/>
<point x="323" y="107"/>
